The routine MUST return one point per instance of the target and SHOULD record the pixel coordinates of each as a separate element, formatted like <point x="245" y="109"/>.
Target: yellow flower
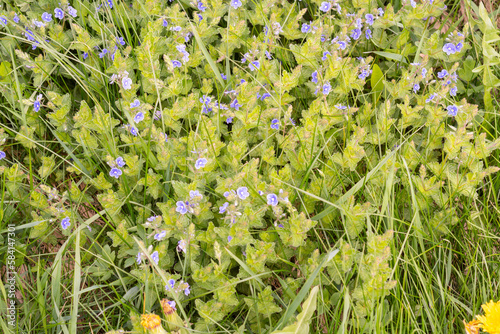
<point x="150" y="321"/>
<point x="490" y="321"/>
<point x="472" y="327"/>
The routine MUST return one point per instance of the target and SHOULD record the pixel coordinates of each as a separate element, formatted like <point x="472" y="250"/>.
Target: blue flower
<point x="120" y="162"/>
<point x="326" y="88"/>
<point x="139" y="257"/>
<point x="177" y="28"/>
<point x="127" y="83"/>
<point x="275" y="124"/>
<point x="161" y="235"/>
<point x="272" y="199"/>
<point x="187" y="290"/>
<point x="200" y="163"/>
<point x="234" y="104"/>
<point x="453" y="91"/>
<point x="431" y="98"/>
<point x="342" y="45"/>
<point x="416" y="87"/>
<point x="58" y="13"/>
<point x="115" y="172"/>
<point x="449" y="48"/>
<point x="236" y="4"/>
<point x="265" y="96"/>
<point x="165" y="23"/>
<point x="176" y="63"/>
<point x="103" y="53"/>
<point x="170" y="284"/>
<point x="229" y="238"/>
<point x="340" y="107"/>
<point x="205" y="99"/>
<point x="368" y="33"/>
<point x="15" y="18"/>
<point x="72" y="11"/>
<point x="47" y="17"/>
<point x="36" y="106"/>
<point x="181" y="207"/>
<point x="201" y="6"/>
<point x="305" y="28"/>
<point x="155" y="257"/>
<point x="65" y="223"/>
<point x="229" y="120"/>
<point x="195" y="193"/>
<point x="325" y="53"/>
<point x="314" y="76"/>
<point x="85" y="55"/>
<point x="459" y="46"/>
<point x="133" y="131"/>
<point x="369" y="19"/>
<point x="424" y="72"/>
<point x="452" y="110"/>
<point x="356" y="34"/>
<point x="135" y="104"/>
<point x="110" y="3"/>
<point x="223" y="208"/>
<point x="442" y="74"/>
<point x="242" y="192"/>
<point x="181" y="246"/>
<point x="139" y="117"/>
<point x="29" y="35"/>
<point x="413" y="3"/>
<point x="325" y="6"/>
<point x="364" y="74"/>
<point x="120" y="40"/>
<point x="255" y="65"/>
<point x="224" y="77"/>
<point x="200" y="17"/>
<point x="2" y="155"/>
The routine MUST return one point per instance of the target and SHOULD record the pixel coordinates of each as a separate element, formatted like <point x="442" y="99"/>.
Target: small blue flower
<point x="442" y="74"/>
<point x="356" y="34"/>
<point x="176" y="63"/>
<point x="181" y="246"/>
<point x="369" y="19"/>
<point x="364" y="74"/>
<point x="133" y="131"/>
<point x="139" y="117"/>
<point x="449" y="48"/>
<point x="272" y="199"/>
<point x="58" y="13"/>
<point x="47" y="17"/>
<point x="236" y="4"/>
<point x="139" y="258"/>
<point x="223" y="208"/>
<point x="265" y="96"/>
<point x="305" y="28"/>
<point x="177" y="28"/>
<point x="314" y="76"/>
<point x="326" y="88"/>
<point x="201" y="6"/>
<point x="15" y="18"/>
<point x="459" y="46"/>
<point x="224" y="77"/>
<point x="424" y="72"/>
<point x="325" y="53"/>
<point x="120" y="40"/>
<point x="453" y="91"/>
<point x="275" y="124"/>
<point x="170" y="284"/>
<point x="234" y="104"/>
<point x="65" y="223"/>
<point x="161" y="235"/>
<point x="181" y="207"/>
<point x="200" y="163"/>
<point x="340" y="107"/>
<point x="155" y="257"/>
<point x="416" y="88"/>
<point x="255" y="65"/>
<point x="195" y="193"/>
<point x="229" y="120"/>
<point x="342" y="45"/>
<point x="2" y="155"/>
<point x="413" y="3"/>
<point x="120" y="162"/>
<point x="242" y="192"/>
<point x="229" y="238"/>
<point x="165" y="23"/>
<point x="368" y="33"/>
<point x="200" y="17"/>
<point x="127" y="83"/>
<point x="452" y="110"/>
<point x="187" y="290"/>
<point x="103" y="53"/>
<point x="115" y="172"/>
<point x="85" y="55"/>
<point x="29" y="35"/>
<point x="110" y="3"/>
<point x="325" y="6"/>
<point x="431" y="98"/>
<point x="135" y="104"/>
<point x="36" y="106"/>
<point x="72" y="11"/>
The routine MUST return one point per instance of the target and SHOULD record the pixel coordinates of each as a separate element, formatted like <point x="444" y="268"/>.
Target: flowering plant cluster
<point x="223" y="139"/>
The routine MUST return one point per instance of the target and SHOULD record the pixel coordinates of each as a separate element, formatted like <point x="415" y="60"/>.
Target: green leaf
<point x="390" y="55"/>
<point x="301" y="326"/>
<point x="377" y="82"/>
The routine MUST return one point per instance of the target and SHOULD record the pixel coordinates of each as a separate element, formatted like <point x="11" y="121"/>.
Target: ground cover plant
<point x="250" y="166"/>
